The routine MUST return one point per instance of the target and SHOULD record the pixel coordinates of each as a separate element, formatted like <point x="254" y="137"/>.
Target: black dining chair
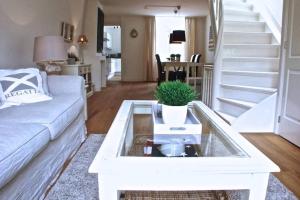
<point x="162" y="72"/>
<point x="195" y="59"/>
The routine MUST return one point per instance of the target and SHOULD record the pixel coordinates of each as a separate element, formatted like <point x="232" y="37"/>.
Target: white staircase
<point x="247" y="91"/>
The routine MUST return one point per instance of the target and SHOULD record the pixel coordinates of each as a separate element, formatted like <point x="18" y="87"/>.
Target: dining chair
<point x="195" y="59"/>
<point x="194" y="76"/>
<point x="162" y="72"/>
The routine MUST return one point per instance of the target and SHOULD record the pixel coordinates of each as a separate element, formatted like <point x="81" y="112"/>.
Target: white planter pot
<point x="174" y="114"/>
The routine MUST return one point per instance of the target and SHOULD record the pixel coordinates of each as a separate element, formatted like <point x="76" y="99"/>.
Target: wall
<point x="133" y="48"/>
<point x="77" y="9"/>
<point x="271" y="11"/>
<point x="275" y="7"/>
<point x="90" y="50"/>
<point x="111" y="20"/>
<point x="200" y="37"/>
<point x="21" y="21"/>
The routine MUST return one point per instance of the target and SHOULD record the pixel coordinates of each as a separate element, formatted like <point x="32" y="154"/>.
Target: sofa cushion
<point x="56" y="114"/>
<point x="19" y="143"/>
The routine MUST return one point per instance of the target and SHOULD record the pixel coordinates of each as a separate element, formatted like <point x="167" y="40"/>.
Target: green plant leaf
<point x="175" y="93"/>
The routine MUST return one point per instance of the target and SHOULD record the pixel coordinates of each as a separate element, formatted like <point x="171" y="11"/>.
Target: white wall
<point x="271" y="11"/>
<point x="133" y="49"/>
<point x="112" y="20"/>
<point x="276" y="8"/>
<point x="22" y="21"/>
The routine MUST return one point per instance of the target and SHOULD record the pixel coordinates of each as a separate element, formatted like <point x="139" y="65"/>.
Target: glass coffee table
<point x="133" y="158"/>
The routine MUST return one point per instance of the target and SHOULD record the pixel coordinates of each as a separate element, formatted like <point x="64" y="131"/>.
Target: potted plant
<point x="72" y="59"/>
<point x="172" y="56"/>
<point x="177" y="57"/>
<point x="174" y="97"/>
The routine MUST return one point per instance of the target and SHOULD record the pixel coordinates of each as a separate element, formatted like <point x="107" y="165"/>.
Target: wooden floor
<point x="103" y="106"/>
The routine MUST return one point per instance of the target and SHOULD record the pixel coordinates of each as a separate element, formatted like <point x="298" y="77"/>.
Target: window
<point x="165" y="26"/>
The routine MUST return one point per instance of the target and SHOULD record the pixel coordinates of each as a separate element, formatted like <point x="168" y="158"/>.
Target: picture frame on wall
<point x="67" y="31"/>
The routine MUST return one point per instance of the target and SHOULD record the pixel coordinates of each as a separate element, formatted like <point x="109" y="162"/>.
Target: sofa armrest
<point x="66" y="85"/>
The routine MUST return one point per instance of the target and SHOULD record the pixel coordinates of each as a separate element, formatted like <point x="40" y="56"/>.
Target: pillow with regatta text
<point x="22" y="86"/>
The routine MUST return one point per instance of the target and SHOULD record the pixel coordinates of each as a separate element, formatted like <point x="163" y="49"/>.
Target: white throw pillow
<point x="45" y="83"/>
<point x="22" y="86"/>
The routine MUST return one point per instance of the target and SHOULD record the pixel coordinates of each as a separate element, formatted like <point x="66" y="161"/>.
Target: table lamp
<point x="82" y="41"/>
<point x="49" y="52"/>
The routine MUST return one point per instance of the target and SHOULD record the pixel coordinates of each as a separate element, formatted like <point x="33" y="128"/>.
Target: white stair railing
<point x="217" y="22"/>
<point x="216" y="15"/>
<point x="207" y="86"/>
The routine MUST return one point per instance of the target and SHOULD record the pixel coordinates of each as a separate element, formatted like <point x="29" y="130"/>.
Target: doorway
<point x="289" y="114"/>
<point x="112" y="50"/>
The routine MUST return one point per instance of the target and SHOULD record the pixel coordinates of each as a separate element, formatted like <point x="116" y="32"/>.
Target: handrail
<point x="216" y="15"/>
<point x="217" y="26"/>
<point x="207" y="84"/>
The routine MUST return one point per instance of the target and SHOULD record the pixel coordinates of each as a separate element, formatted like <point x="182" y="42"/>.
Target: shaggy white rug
<point x="76" y="183"/>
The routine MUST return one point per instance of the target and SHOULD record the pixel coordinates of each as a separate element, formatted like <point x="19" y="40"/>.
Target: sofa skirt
<point x="34" y="180"/>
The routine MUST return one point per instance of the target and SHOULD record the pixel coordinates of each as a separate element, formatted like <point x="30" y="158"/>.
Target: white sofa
<point x="37" y="139"/>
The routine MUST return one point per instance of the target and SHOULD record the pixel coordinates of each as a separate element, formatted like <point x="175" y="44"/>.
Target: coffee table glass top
<point x="213" y="141"/>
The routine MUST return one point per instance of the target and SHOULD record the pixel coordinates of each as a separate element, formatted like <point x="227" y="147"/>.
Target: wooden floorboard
<point x="284" y="154"/>
<point x="103" y="106"/>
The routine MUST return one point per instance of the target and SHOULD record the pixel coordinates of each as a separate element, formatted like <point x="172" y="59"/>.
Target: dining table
<point x="187" y="66"/>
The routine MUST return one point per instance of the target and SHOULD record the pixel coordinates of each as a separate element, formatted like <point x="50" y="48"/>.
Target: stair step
<point x="250" y="59"/>
<point x="232" y="14"/>
<point x="250" y="78"/>
<point x="245" y="7"/>
<point x="251" y="88"/>
<point x="244" y="26"/>
<point x="251" y="50"/>
<point x="247" y="38"/>
<point x="227" y="117"/>
<point x="241" y="12"/>
<point x="250" y="73"/>
<point x="264" y="64"/>
<point x="236" y="3"/>
<point x="236" y="102"/>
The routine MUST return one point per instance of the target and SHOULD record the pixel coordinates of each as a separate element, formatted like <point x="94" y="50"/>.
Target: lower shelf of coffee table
<point x="175" y="195"/>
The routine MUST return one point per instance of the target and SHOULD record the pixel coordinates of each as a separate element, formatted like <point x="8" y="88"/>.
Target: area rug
<point x="76" y="183"/>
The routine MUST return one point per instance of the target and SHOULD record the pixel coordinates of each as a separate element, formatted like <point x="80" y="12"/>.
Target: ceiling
<point x="137" y="7"/>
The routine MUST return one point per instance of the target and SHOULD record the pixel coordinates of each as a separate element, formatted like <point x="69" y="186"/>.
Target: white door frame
<point x="283" y="51"/>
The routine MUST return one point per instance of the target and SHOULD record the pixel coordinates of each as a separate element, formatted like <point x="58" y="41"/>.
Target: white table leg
<point x="106" y="191"/>
<point x="167" y="72"/>
<point x="259" y="188"/>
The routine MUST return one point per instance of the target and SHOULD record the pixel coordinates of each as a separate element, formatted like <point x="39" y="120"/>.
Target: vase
<point x="174" y="114"/>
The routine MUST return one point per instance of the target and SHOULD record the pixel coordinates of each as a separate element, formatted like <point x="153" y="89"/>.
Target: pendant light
<point x="179" y="36"/>
<point x="172" y="41"/>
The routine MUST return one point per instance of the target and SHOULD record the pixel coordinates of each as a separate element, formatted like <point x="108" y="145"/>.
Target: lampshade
<point x="49" y="48"/>
<point x="172" y="40"/>
<point x="179" y="36"/>
<point x="82" y="39"/>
